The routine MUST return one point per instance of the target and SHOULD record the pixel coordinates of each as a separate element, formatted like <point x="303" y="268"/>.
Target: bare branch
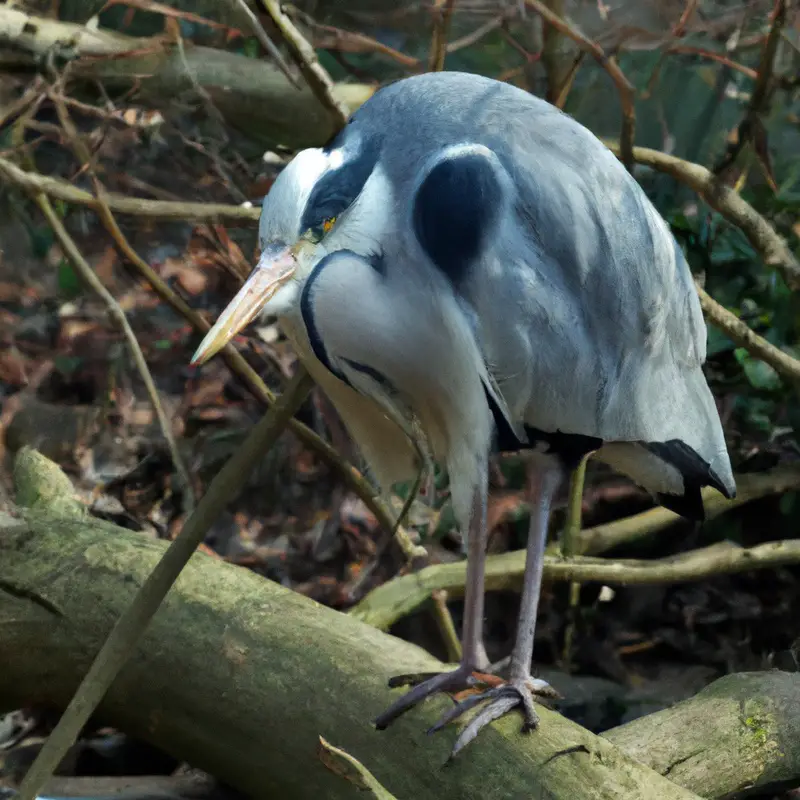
<point x="730" y="204"/>
<point x="161" y="209"/>
<point x="400" y="596"/>
<point x="443" y="12"/>
<point x="303" y="53"/>
<point x="118" y="315"/>
<point x="749" y="127"/>
<point x="266" y="42"/>
<point x="743" y="335"/>
<point x="609" y="64"/>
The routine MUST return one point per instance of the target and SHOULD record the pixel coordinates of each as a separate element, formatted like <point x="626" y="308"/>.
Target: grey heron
<point x="466" y="265"/>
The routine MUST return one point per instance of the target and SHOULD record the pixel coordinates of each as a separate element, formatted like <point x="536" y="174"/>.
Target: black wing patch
<point x="569" y="448"/>
<point x="338" y="188"/>
<point x="456" y="208"/>
<point x="696" y="473"/>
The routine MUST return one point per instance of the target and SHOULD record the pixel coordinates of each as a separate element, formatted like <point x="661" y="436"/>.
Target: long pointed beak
<point x="274" y="269"/>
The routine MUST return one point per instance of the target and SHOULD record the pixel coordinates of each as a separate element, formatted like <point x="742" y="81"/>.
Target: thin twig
<point x="570" y="537"/>
<point x="443" y="12"/>
<point x="118" y="315"/>
<point x="609" y="64"/>
<point x="303" y="53"/>
<point x="266" y="42"/>
<point x="349" y="41"/>
<point x="444" y="619"/>
<point x="769" y="244"/>
<point x="713" y="56"/>
<point x="133" y="622"/>
<point x="85" y="159"/>
<point x="744" y="336"/>
<point x="120" y="204"/>
<point x="470" y="39"/>
<point x="748" y="128"/>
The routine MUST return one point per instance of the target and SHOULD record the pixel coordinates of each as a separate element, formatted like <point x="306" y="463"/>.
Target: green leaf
<point x="250" y="47"/>
<point x="69" y="285"/>
<point x="758" y="373"/>
<point x="788" y="503"/>
<point x="67" y="364"/>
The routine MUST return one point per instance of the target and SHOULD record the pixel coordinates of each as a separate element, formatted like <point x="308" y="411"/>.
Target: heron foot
<point x="425" y="684"/>
<point x="499" y="701"/>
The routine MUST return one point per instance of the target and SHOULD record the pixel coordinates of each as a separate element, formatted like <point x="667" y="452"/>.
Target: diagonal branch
<point x="443" y="13"/>
<point x="132" y="623"/>
<point x="743" y="335"/>
<point x="729" y="203"/>
<point x="118" y="315"/>
<point x="609" y="64"/>
<point x="303" y="53"/>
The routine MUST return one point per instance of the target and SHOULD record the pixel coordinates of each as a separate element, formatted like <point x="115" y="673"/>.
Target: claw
<point x="457" y="680"/>
<point x="496" y="709"/>
<point x="465" y="705"/>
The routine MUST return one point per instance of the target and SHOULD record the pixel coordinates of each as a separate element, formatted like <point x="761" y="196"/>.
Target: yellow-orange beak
<point x="274" y="269"/>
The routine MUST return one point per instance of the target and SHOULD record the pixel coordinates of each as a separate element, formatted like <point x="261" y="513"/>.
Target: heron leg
<point x="473" y="653"/>
<point x="518" y="692"/>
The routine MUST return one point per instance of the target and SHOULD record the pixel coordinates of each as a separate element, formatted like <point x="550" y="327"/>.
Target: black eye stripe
<point x="338" y="188"/>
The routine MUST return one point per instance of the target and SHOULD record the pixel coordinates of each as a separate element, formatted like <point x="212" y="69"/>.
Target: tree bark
<point x="241" y="677"/>
<point x="741" y="732"/>
<point x="249" y="93"/>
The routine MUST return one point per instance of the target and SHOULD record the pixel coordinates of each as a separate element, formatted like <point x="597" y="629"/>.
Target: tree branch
<point x="401" y="596"/>
<point x="729" y="203"/>
<point x="609" y="64"/>
<point x="303" y="53"/>
<point x="744" y="336"/>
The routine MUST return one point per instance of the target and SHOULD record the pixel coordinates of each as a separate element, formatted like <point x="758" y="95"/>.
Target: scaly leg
<point x="473" y="657"/>
<point x="543" y="482"/>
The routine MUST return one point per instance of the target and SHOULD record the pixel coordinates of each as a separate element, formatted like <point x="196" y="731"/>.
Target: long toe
<point x="455" y="681"/>
<point x="501" y="700"/>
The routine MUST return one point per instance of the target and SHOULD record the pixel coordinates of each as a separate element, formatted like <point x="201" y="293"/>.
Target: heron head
<point x="318" y="204"/>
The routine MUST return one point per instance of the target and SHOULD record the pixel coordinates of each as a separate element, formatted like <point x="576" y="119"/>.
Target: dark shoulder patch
<point x="696" y="473"/>
<point x="456" y="207"/>
<point x="338" y="188"/>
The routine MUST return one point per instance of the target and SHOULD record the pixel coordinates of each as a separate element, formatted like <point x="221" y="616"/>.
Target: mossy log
<point x="241" y="677"/>
<point x="249" y="93"/>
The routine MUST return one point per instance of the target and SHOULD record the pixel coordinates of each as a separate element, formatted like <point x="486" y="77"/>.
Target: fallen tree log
<point x="753" y="721"/>
<point x="241" y="676"/>
<point x="249" y="93"/>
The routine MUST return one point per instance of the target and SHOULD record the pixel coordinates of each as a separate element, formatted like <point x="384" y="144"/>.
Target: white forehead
<point x="283" y="206"/>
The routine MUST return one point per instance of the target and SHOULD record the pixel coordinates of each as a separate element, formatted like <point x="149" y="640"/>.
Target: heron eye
<point x="328" y="224"/>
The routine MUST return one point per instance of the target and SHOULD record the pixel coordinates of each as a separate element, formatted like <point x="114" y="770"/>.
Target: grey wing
<point x="589" y="316"/>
